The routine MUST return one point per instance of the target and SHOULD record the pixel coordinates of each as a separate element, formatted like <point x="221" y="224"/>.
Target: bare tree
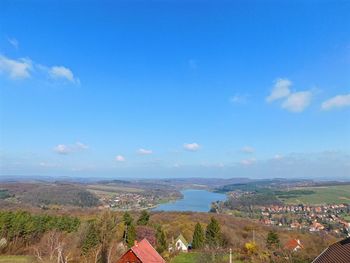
<point x="52" y="247"/>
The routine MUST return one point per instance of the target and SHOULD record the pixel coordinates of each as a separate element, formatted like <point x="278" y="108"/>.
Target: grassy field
<point x="185" y="258"/>
<point x="195" y="257"/>
<point x="16" y="259"/>
<point x="323" y="195"/>
<point x="114" y="189"/>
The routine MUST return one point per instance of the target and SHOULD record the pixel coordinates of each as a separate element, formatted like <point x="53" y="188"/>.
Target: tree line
<point x="104" y="237"/>
<point x="24" y="226"/>
<point x="211" y="237"/>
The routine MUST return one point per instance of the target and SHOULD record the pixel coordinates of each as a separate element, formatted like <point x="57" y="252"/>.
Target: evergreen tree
<point x="272" y="239"/>
<point x="107" y="228"/>
<point x="198" y="237"/>
<point x="127" y="218"/>
<point x="26" y="227"/>
<point x="131" y="235"/>
<point x="213" y="234"/>
<point x="161" y="240"/>
<point x="128" y="221"/>
<point x="144" y="218"/>
<point x="91" y="239"/>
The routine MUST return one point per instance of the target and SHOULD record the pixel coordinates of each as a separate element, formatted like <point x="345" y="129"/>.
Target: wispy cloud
<point x="176" y="165"/>
<point x="298" y="101"/>
<point x="192" y="147"/>
<point x="339" y="101"/>
<point x="49" y="165"/>
<point x="281" y="89"/>
<point x="61" y="72"/>
<point x="239" y="99"/>
<point x="66" y="149"/>
<point x="248" y="162"/>
<point x="14" y="42"/>
<point x="120" y="158"/>
<point x="62" y="149"/>
<point x="16" y="68"/>
<point x="81" y="146"/>
<point x="22" y="68"/>
<point x="142" y="151"/>
<point x="291" y="101"/>
<point x="247" y="149"/>
<point x="278" y="157"/>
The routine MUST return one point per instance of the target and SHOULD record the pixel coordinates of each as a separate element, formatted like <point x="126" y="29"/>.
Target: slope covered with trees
<point x="104" y="236"/>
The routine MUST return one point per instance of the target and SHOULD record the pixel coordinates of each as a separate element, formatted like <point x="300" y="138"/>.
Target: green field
<point x="346" y="218"/>
<point x="323" y="195"/>
<point x="114" y="189"/>
<point x="185" y="258"/>
<point x="16" y="259"/>
<point x="193" y="257"/>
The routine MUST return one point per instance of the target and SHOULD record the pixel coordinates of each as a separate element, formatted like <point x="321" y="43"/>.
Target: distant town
<point x="291" y="206"/>
<point x="130" y="201"/>
<point x="326" y="218"/>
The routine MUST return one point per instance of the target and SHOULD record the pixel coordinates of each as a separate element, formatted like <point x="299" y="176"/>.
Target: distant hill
<point x="39" y="194"/>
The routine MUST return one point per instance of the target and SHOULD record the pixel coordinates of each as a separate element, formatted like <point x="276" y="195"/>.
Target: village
<point x="326" y="218"/>
<point x="129" y="201"/>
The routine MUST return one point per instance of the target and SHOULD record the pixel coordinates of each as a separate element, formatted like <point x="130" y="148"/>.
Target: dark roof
<point x="337" y="253"/>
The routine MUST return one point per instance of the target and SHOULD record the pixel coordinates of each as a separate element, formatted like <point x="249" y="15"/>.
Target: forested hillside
<point x="103" y="237"/>
<point x="45" y="194"/>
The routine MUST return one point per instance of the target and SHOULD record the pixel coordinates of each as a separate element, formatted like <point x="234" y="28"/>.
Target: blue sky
<point x="175" y="88"/>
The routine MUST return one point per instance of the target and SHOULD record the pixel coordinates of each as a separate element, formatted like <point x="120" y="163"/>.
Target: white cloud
<point x="278" y="157"/>
<point x="142" y="151"/>
<point x="338" y="101"/>
<point x="23" y="67"/>
<point x="14" y="42"/>
<point x="66" y="149"/>
<point x="212" y="165"/>
<point x="120" y="158"/>
<point x="62" y="149"/>
<point x="280" y="90"/>
<point x="81" y="146"/>
<point x="239" y="99"/>
<point x="298" y="101"/>
<point x="247" y="149"/>
<point x="292" y="101"/>
<point x="60" y="72"/>
<point x="248" y="162"/>
<point x="48" y="165"/>
<point x="15" y="69"/>
<point x="192" y="147"/>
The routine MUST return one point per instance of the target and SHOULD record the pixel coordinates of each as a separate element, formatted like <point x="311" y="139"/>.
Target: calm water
<point x="194" y="200"/>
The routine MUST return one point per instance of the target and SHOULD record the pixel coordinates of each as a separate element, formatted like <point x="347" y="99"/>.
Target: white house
<point x="181" y="244"/>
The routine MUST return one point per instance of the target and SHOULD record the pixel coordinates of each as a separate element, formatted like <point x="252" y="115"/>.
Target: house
<point x="181" y="244"/>
<point x="316" y="227"/>
<point x="267" y="221"/>
<point x="141" y="252"/>
<point x="295" y="225"/>
<point x="293" y="245"/>
<point x="338" y="253"/>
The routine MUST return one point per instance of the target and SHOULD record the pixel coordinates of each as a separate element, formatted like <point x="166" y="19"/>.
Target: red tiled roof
<point x="146" y="253"/>
<point x="337" y="253"/>
<point x="293" y="244"/>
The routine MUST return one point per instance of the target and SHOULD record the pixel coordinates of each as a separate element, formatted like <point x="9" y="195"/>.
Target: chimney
<point x="135" y="243"/>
